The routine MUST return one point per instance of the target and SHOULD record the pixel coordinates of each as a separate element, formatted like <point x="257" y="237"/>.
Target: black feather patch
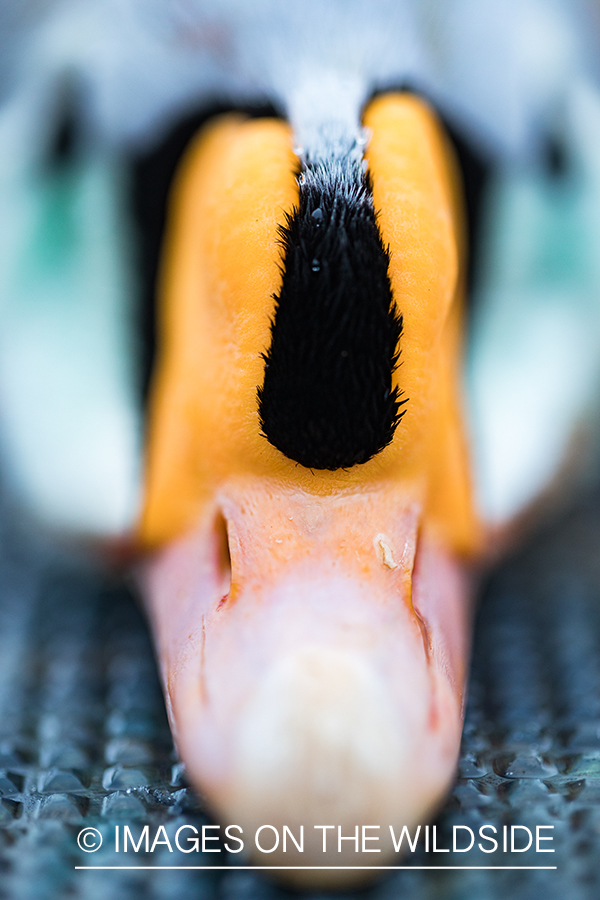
<point x="327" y="399"/>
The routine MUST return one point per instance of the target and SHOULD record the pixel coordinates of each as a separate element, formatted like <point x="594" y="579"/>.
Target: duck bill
<point x="313" y="653"/>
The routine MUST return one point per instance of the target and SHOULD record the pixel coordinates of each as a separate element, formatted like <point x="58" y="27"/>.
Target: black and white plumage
<point x="140" y="66"/>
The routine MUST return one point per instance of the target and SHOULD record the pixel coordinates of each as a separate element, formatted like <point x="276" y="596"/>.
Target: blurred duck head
<point x="307" y="491"/>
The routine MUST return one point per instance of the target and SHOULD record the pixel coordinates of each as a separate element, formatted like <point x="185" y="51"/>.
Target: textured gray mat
<point x="84" y="738"/>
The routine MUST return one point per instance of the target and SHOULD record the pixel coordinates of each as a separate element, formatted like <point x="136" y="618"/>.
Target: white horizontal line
<point x="270" y="868"/>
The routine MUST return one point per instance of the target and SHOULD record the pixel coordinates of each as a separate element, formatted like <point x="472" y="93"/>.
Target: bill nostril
<point x="222" y="557"/>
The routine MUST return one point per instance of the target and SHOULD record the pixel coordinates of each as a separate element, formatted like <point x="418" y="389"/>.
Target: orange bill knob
<point x="312" y="623"/>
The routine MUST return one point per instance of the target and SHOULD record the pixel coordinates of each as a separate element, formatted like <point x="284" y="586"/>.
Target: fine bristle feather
<point x="327" y="400"/>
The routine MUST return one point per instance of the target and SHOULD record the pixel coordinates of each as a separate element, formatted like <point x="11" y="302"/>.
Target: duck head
<point x="308" y="507"/>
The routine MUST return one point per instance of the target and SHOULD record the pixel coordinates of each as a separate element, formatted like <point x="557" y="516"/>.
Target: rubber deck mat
<point x="84" y="739"/>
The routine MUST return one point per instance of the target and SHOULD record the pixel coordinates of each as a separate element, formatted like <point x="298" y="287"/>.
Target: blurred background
<point x="97" y="103"/>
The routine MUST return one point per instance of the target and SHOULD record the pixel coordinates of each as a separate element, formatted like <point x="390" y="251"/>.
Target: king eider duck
<point x="307" y="491"/>
<point x="309" y="529"/>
